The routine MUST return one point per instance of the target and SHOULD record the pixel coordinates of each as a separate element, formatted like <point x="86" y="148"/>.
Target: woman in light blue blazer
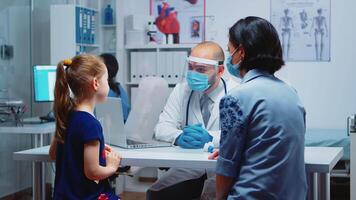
<point x="261" y="153"/>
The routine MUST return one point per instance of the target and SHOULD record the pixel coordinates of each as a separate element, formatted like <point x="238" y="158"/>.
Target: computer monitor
<point x="44" y="79"/>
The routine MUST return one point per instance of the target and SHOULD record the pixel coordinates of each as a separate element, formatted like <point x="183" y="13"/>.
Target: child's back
<point x="83" y="161"/>
<point x="71" y="182"/>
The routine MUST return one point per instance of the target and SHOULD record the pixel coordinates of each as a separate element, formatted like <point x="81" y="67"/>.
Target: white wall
<point x="324" y="87"/>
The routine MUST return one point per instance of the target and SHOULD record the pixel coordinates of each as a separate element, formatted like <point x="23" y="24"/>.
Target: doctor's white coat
<point x="173" y="119"/>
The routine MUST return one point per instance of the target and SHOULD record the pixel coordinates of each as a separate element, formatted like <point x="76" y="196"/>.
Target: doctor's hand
<point x="194" y="137"/>
<point x="199" y="133"/>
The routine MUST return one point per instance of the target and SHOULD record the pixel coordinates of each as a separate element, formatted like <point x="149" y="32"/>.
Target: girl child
<point x="83" y="161"/>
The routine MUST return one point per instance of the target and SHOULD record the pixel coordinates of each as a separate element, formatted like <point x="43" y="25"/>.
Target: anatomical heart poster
<point x="304" y="28"/>
<point x="184" y="20"/>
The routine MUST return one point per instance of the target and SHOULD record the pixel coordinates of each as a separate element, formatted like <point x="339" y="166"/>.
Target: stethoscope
<point x="190" y="96"/>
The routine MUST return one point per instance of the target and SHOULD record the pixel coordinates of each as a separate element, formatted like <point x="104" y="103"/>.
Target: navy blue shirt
<point x="70" y="181"/>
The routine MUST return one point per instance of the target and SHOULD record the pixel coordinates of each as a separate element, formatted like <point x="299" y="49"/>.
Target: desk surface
<point x="40" y="128"/>
<point x="317" y="159"/>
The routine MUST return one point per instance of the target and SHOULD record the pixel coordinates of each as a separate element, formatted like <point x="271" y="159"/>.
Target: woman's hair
<point x="261" y="44"/>
<point x="113" y="67"/>
<point x="74" y="75"/>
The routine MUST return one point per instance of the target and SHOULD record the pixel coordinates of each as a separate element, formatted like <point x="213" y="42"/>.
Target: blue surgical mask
<point x="197" y="81"/>
<point x="234" y="69"/>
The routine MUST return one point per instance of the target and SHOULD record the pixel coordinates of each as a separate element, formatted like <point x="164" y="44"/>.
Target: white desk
<point x="319" y="161"/>
<point x="37" y="131"/>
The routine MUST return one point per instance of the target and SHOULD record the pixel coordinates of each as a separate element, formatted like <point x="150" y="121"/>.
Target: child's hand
<point x="214" y="155"/>
<point x="113" y="159"/>
<point x="108" y="148"/>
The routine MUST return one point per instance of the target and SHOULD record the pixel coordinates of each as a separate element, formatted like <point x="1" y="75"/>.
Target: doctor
<point x="191" y="118"/>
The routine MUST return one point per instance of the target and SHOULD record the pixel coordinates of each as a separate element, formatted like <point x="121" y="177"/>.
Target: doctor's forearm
<point x="223" y="186"/>
<point x="166" y="132"/>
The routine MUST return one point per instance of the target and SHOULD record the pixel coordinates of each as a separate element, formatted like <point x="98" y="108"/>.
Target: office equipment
<point x="37" y="131"/>
<point x="134" y="64"/>
<point x="135" y="37"/>
<point x="138" y="22"/>
<point x="168" y="68"/>
<point x="178" y="64"/>
<point x="152" y="33"/>
<point x="337" y="138"/>
<point x="108" y="15"/>
<point x="136" y="31"/>
<point x="149" y="64"/>
<point x="44" y="79"/>
<point x="162" y="63"/>
<point x="152" y="92"/>
<point x="92" y="26"/>
<point x="79" y="22"/>
<point x="12" y="110"/>
<point x="73" y="31"/>
<point x="351" y="127"/>
<point x="318" y="160"/>
<point x="111" y="118"/>
<point x="6" y="52"/>
<point x="162" y="67"/>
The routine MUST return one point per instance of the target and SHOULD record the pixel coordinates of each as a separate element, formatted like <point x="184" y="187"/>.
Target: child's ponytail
<point x="77" y="78"/>
<point x="63" y="104"/>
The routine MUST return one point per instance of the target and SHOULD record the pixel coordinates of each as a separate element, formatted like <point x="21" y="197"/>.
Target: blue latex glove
<point x="187" y="142"/>
<point x="194" y="137"/>
<point x="199" y="133"/>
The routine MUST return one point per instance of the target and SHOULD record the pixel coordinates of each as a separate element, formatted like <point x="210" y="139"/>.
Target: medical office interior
<point x="317" y="38"/>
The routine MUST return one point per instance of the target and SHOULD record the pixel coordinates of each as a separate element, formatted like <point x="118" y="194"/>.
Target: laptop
<point x="110" y="116"/>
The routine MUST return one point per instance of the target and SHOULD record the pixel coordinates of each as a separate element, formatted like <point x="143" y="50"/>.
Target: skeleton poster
<point x="183" y="19"/>
<point x="303" y="27"/>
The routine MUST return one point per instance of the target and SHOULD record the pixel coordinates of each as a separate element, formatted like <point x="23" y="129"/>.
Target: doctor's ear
<point x="221" y="70"/>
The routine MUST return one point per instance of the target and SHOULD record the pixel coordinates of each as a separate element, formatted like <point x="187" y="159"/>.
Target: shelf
<point x="85" y="7"/>
<point x="160" y="46"/>
<point x="110" y="52"/>
<point x="133" y="84"/>
<point x="108" y="25"/>
<point x="88" y="45"/>
<point x="136" y="84"/>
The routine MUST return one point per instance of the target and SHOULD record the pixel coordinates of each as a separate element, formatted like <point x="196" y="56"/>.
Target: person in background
<point x="261" y="152"/>
<point x="84" y="163"/>
<point x="116" y="90"/>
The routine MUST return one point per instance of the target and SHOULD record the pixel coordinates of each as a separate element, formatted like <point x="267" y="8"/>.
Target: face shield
<point x="200" y="73"/>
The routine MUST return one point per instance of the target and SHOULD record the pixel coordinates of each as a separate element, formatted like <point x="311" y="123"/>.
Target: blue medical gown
<point x="124" y="101"/>
<point x="262" y="139"/>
